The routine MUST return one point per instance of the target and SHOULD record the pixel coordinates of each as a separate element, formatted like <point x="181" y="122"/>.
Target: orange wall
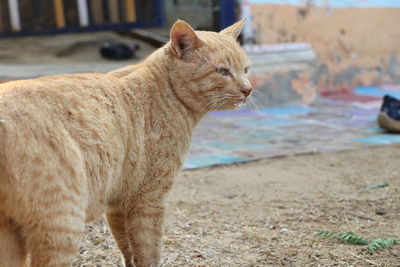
<point x="342" y="37"/>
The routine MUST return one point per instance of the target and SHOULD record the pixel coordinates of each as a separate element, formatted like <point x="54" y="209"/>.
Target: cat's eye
<point x="246" y="70"/>
<point x="223" y="71"/>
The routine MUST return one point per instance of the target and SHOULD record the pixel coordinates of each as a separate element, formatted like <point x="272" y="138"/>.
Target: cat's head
<point x="208" y="69"/>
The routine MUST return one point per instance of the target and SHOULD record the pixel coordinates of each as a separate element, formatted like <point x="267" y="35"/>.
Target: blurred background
<point x="318" y="45"/>
<point x="50" y="32"/>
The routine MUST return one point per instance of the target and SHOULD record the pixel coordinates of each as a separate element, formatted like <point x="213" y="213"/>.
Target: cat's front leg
<point x="144" y="226"/>
<point x="117" y="221"/>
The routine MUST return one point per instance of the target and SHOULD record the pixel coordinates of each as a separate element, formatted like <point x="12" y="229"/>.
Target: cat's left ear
<point x="183" y="38"/>
<point x="235" y="29"/>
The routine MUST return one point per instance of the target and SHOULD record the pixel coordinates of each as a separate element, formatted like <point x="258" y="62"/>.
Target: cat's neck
<point x="152" y="82"/>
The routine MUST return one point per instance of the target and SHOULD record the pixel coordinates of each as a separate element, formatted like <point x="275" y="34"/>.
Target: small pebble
<point x="380" y="211"/>
<point x="230" y="196"/>
<point x="210" y="253"/>
<point x="284" y="230"/>
<point x="105" y="246"/>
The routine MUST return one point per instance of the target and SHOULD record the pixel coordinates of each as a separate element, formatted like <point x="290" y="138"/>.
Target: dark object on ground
<point x="389" y="115"/>
<point x="380" y="211"/>
<point x="118" y="51"/>
<point x="152" y="38"/>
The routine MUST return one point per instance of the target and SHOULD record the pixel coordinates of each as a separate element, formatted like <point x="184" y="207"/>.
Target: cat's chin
<point x="231" y="106"/>
<point x="239" y="105"/>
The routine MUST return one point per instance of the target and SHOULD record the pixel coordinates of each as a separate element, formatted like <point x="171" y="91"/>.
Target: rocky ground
<point x="267" y="213"/>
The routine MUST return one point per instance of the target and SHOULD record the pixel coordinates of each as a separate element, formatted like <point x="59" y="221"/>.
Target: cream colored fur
<point x="73" y="147"/>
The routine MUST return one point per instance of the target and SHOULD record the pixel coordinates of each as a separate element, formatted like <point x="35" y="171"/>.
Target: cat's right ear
<point x="235" y="29"/>
<point x="183" y="38"/>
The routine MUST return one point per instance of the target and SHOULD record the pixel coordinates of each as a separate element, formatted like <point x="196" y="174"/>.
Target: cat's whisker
<point x="255" y="103"/>
<point x="214" y="100"/>
<point x="218" y="100"/>
<point x="217" y="104"/>
<point x="260" y="96"/>
<point x="240" y="106"/>
<point x="207" y="102"/>
<point x="208" y="96"/>
<point x="249" y="104"/>
<point x="258" y="92"/>
<point x="211" y="103"/>
<point x="236" y="101"/>
<point x="212" y="107"/>
<point x="257" y="100"/>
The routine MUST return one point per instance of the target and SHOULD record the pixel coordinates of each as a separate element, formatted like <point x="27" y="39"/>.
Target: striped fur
<point x="73" y="147"/>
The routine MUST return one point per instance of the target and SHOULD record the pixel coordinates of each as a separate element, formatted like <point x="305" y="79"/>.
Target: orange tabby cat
<point x="73" y="147"/>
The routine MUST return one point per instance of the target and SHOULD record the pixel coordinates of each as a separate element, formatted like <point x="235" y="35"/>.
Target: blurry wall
<point x="199" y="13"/>
<point x="357" y="41"/>
<point x="21" y="17"/>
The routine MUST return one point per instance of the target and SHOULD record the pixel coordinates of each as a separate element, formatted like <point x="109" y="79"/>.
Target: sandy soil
<point x="267" y="213"/>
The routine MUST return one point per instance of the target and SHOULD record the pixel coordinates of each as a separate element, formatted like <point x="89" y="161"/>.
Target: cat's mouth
<point x="224" y="101"/>
<point x="242" y="102"/>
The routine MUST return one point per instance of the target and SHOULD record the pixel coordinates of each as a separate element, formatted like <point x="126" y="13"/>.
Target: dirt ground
<point x="267" y="213"/>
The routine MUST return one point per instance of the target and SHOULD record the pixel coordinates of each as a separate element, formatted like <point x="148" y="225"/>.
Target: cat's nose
<point x="246" y="91"/>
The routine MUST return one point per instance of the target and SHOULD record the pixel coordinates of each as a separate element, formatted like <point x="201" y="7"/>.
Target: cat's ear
<point x="235" y="29"/>
<point x="183" y="38"/>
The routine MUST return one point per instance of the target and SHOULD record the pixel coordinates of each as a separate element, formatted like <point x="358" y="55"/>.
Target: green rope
<point x="354" y="239"/>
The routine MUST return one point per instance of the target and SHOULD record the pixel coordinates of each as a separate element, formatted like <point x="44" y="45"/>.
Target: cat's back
<point x="60" y="125"/>
<point x="71" y="103"/>
<point x="48" y="91"/>
<point x="60" y="99"/>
